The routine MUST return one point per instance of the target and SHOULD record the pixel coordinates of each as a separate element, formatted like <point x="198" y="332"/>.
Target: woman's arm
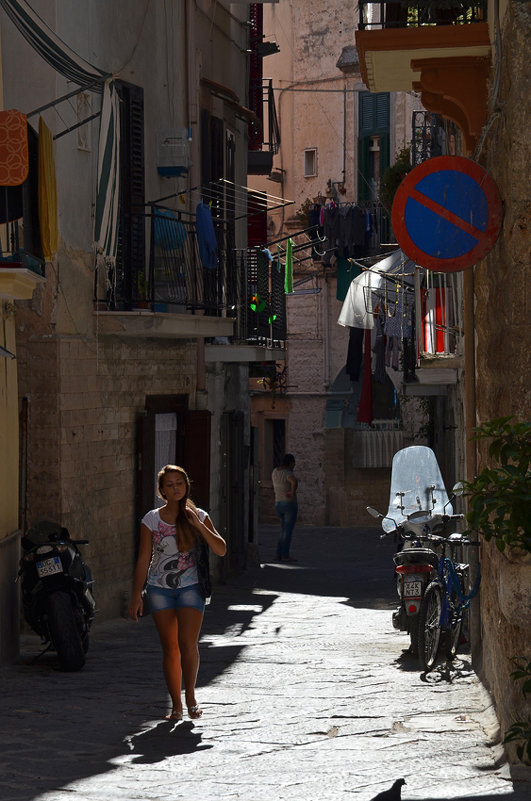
<point x="293" y="483"/>
<point x="136" y="606"/>
<point x="213" y="538"/>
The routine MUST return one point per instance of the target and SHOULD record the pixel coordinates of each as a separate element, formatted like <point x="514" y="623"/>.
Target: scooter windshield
<point x="416" y="486"/>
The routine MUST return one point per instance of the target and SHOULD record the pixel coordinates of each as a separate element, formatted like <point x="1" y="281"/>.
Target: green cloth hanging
<point x="288" y="277"/>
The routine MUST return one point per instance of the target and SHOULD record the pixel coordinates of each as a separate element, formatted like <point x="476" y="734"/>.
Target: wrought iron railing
<point x="170" y="276"/>
<point x="404" y="14"/>
<point x="261" y="319"/>
<point x="262" y="102"/>
<point x="12" y="254"/>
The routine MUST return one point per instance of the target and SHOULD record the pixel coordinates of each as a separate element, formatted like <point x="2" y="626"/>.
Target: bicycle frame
<point x="444" y="602"/>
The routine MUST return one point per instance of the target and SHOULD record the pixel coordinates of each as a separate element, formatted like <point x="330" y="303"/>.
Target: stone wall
<point x="503" y="327"/>
<point x="85" y="399"/>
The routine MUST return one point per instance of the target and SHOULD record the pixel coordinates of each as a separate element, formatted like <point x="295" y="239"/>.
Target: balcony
<point x="264" y="134"/>
<point x="441" y="50"/>
<point x="161" y="288"/>
<point x="20" y="271"/>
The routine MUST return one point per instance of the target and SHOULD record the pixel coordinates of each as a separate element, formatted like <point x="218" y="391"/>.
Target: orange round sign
<point x="447" y="213"/>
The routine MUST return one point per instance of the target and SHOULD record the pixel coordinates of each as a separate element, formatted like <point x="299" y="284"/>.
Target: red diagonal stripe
<point x="424" y="200"/>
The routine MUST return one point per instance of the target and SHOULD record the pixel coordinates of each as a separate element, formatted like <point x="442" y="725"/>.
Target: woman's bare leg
<point x="168" y="630"/>
<point x="190" y="621"/>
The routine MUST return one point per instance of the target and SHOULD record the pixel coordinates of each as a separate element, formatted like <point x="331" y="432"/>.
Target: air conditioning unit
<point x="173" y="151"/>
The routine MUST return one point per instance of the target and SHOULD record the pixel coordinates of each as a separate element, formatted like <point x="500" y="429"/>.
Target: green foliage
<point x="520" y="731"/>
<point x="392" y="178"/>
<point x="500" y="497"/>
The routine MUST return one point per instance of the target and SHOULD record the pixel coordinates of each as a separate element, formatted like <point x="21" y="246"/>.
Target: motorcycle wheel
<point x="429" y="629"/>
<point x="64" y="632"/>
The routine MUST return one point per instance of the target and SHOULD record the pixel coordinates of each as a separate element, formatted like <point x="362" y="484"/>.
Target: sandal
<point x="175" y="714"/>
<point x="195" y="712"/>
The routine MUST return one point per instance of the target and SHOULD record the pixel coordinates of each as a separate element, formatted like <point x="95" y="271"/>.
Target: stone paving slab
<point x="306" y="689"/>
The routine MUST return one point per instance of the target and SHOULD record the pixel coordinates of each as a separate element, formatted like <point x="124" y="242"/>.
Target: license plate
<point x="49" y="566"/>
<point x="412" y="589"/>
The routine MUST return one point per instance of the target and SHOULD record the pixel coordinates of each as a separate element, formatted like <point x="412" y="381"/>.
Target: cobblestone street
<point x="307" y="694"/>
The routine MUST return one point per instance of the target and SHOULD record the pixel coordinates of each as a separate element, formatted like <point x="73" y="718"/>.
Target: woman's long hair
<point x="187" y="537"/>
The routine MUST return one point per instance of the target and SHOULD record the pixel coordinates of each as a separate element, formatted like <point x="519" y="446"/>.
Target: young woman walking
<point x="172" y="564"/>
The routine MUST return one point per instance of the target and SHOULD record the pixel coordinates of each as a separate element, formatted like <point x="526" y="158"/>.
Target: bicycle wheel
<point x="429" y="629"/>
<point x="453" y="632"/>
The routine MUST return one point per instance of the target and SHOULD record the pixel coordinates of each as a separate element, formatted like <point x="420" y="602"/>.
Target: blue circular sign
<point x="447" y="213"/>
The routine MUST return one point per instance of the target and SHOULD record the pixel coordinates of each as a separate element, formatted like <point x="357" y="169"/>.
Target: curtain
<point x="165" y="446"/>
<point x="108" y="185"/>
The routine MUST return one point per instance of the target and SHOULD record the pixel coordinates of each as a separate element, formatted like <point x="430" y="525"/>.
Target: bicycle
<point x="445" y="601"/>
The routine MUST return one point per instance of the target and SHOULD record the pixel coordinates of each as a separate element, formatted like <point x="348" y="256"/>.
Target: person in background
<point x="173" y="565"/>
<point x="285" y="487"/>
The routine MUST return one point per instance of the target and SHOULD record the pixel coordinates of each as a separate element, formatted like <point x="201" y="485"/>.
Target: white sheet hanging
<point x="361" y="298"/>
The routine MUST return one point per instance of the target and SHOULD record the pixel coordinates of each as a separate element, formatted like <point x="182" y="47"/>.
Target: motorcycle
<point x="56" y="592"/>
<point x="419" y="508"/>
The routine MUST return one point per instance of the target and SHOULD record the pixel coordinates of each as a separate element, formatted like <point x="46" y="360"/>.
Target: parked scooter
<point x="56" y="592"/>
<point x="418" y="508"/>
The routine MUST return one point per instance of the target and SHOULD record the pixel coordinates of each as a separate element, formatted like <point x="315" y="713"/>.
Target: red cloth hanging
<point x="434" y="320"/>
<point x="365" y="407"/>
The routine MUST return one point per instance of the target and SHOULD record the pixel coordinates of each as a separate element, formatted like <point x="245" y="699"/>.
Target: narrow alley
<point x="306" y="689"/>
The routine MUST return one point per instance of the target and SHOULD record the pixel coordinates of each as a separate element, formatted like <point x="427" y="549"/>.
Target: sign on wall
<point x="447" y="213"/>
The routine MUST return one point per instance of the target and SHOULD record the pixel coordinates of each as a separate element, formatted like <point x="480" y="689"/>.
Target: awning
<point x="363" y="292"/>
<point x="50" y="47"/>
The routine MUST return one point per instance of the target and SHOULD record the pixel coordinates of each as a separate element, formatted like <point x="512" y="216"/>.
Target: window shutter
<point x="373" y="113"/>
<point x="366" y="113"/>
<point x="381" y="112"/>
<point x="131" y="234"/>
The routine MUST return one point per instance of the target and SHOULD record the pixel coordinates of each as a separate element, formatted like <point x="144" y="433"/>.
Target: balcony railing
<point x="406" y="14"/>
<point x="167" y="275"/>
<point x="264" y="137"/>
<point x="12" y="254"/>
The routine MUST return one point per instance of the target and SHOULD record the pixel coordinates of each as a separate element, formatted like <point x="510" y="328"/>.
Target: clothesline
<point x="235" y="199"/>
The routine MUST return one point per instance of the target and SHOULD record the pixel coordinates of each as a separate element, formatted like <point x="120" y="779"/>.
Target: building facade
<point x="132" y="346"/>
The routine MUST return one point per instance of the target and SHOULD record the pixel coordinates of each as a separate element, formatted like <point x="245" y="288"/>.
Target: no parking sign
<point x="447" y="213"/>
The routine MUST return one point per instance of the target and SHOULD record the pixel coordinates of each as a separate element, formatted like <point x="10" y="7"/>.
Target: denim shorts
<point x="164" y="598"/>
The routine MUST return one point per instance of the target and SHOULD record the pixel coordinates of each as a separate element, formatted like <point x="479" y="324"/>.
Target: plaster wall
<point x="503" y="346"/>
<point x="9" y="465"/>
<point x="83" y="392"/>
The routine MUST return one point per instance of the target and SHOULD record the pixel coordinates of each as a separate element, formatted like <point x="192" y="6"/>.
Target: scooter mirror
<point x="458" y="489"/>
<point x="373" y="512"/>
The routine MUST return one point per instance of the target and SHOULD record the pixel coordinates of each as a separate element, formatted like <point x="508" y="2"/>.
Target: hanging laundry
<point x="288" y="278"/>
<point x="365" y="407"/>
<point x="346" y="272"/>
<point x="379" y="347"/>
<point x="354" y="353"/>
<point x="206" y="236"/>
<point x="47" y="194"/>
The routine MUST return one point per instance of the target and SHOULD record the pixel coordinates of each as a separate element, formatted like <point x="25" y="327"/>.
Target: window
<point x="373" y="141"/>
<point x="310" y="162"/>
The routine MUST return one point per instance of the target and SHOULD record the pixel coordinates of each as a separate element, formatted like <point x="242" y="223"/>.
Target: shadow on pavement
<point x="57" y="728"/>
<point x="165" y="740"/>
